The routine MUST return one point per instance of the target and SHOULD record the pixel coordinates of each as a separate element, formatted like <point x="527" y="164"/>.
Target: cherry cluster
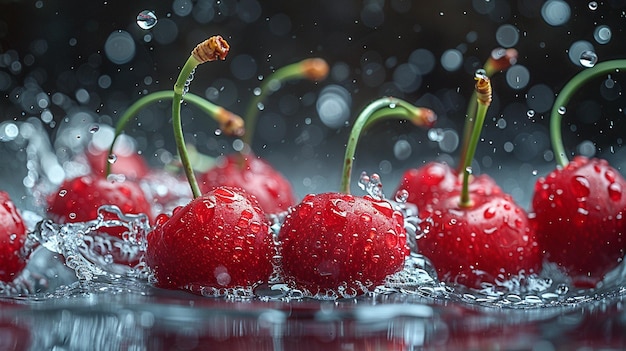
<point x="472" y="231"/>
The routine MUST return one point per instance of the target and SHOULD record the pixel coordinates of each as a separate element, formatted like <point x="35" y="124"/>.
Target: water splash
<point x="90" y="253"/>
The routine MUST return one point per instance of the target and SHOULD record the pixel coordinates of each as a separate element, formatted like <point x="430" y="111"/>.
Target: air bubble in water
<point x="588" y="58"/>
<point x="593" y="5"/>
<point x="146" y="19"/>
<point x="94" y="128"/>
<point x="562" y="110"/>
<point x="530" y="113"/>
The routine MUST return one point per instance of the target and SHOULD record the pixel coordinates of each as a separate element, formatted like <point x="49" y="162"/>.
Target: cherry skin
<point x="579" y="215"/>
<point x="335" y="241"/>
<point x="12" y="236"/>
<point x="255" y="176"/>
<point x="490" y="240"/>
<point x="435" y="181"/>
<point x="219" y="240"/>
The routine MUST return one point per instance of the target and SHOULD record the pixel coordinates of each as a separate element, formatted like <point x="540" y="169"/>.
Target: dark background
<point x="59" y="49"/>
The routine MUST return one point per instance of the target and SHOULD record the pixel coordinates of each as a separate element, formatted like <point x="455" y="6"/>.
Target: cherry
<point x="337" y="244"/>
<point x="579" y="207"/>
<point x="579" y="214"/>
<point x="337" y="241"/>
<point x="12" y="236"/>
<point x="478" y="234"/>
<point x="491" y="240"/>
<point x="219" y="240"/>
<point x="254" y="175"/>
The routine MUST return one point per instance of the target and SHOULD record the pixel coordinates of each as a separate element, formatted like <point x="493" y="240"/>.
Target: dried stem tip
<point x="500" y="60"/>
<point x="230" y="123"/>
<point x="211" y="49"/>
<point x="426" y="117"/>
<point x="483" y="89"/>
<point x="314" y="68"/>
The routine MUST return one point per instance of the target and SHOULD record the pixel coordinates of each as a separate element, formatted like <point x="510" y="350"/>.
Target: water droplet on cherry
<point x="580" y="187"/>
<point x="615" y="192"/>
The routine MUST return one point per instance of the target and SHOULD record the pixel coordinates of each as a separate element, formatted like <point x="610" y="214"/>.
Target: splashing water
<point x="92" y="253"/>
<point x="87" y="260"/>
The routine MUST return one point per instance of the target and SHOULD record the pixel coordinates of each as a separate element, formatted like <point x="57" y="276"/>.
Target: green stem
<point x="564" y="96"/>
<point x="481" y="112"/>
<point x="492" y="66"/>
<point x="133" y="110"/>
<point x="271" y="84"/>
<point x="179" y="86"/>
<point x="381" y="109"/>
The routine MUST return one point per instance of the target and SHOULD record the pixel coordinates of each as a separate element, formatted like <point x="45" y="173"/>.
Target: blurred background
<point x="73" y="65"/>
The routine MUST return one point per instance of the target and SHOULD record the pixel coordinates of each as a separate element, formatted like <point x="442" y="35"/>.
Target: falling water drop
<point x="94" y="128"/>
<point x="112" y="158"/>
<point x="530" y="113"/>
<point x="146" y="19"/>
<point x="588" y="58"/>
<point x="562" y="110"/>
<point x="593" y="5"/>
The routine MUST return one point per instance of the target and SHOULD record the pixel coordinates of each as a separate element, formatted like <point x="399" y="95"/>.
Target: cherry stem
<point x="210" y="50"/>
<point x="379" y="110"/>
<point x="483" y="100"/>
<point x="558" y="109"/>
<point x="499" y="60"/>
<point x="313" y="68"/>
<point x="215" y="111"/>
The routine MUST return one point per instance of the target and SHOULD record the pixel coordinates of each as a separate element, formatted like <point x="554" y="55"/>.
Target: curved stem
<point x="564" y="96"/>
<point x="312" y="68"/>
<point x="381" y="109"/>
<point x="209" y="50"/>
<point x="483" y="100"/>
<point x="204" y="105"/>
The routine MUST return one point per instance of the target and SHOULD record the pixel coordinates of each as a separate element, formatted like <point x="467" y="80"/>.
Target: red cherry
<point x="219" y="240"/>
<point x="336" y="241"/>
<point x="255" y="176"/>
<point x="132" y="165"/>
<point x="580" y="221"/>
<point x="435" y="181"/>
<point x="12" y="237"/>
<point x="78" y="200"/>
<point x="492" y="239"/>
